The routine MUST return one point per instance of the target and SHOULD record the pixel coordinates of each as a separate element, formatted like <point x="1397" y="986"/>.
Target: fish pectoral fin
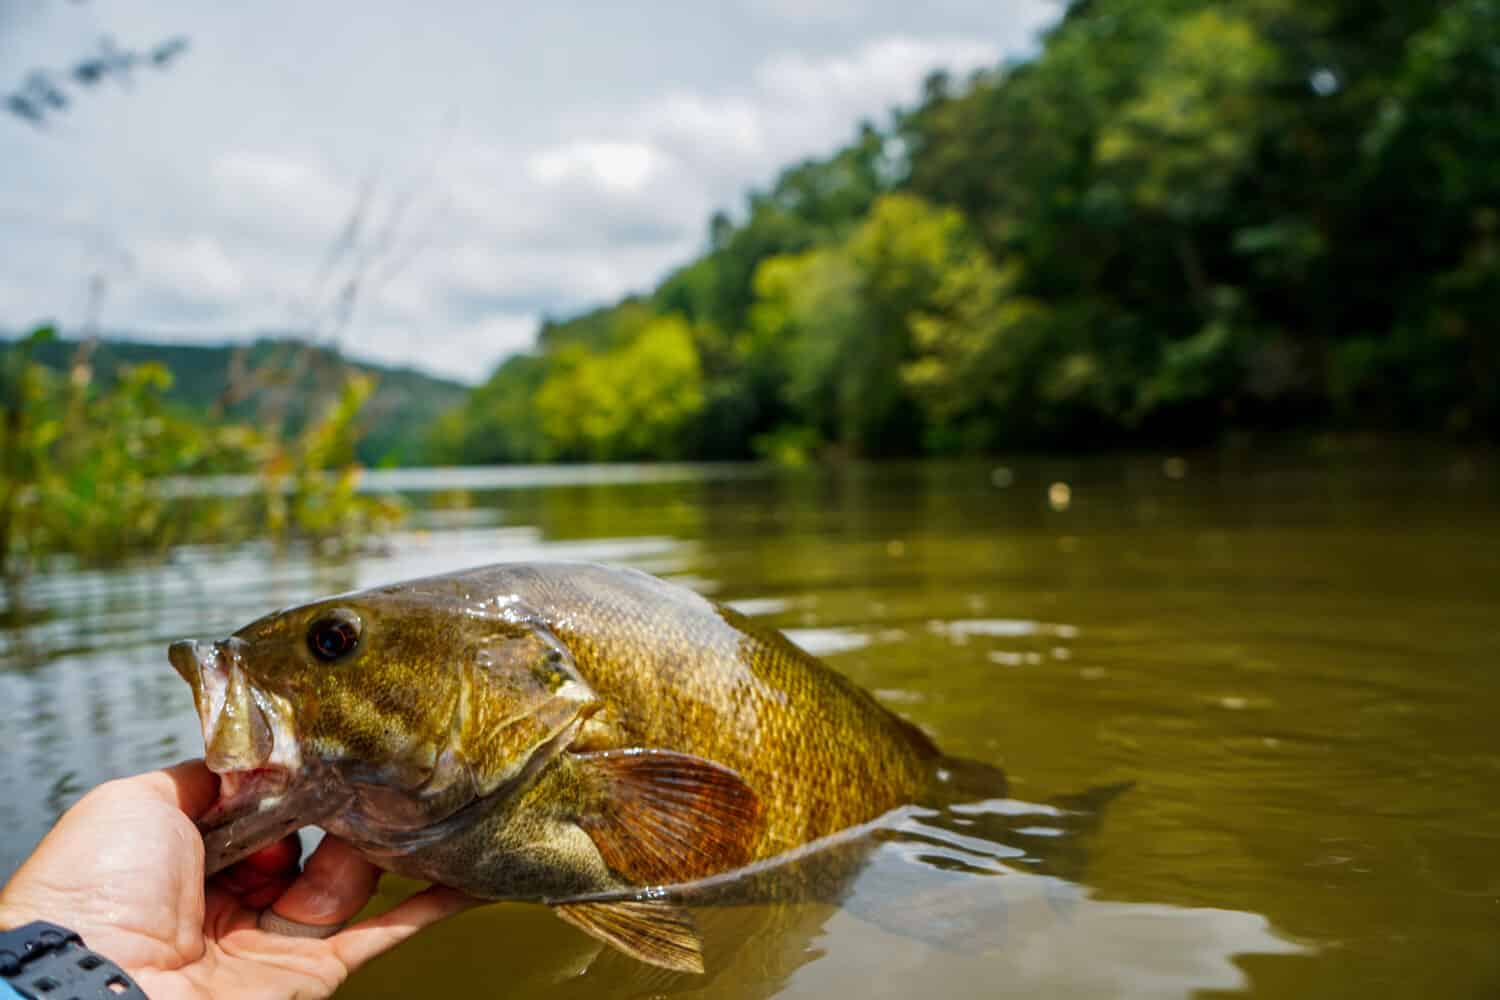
<point x="654" y="932"/>
<point x="661" y="816"/>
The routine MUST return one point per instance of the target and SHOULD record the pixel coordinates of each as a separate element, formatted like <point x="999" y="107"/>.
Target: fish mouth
<point x="243" y="793"/>
<point x="250" y="742"/>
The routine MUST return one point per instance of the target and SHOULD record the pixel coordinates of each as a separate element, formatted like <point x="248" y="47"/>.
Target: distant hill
<point x="297" y="379"/>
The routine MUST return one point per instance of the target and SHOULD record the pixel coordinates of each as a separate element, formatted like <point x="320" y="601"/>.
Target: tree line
<point x="1179" y="217"/>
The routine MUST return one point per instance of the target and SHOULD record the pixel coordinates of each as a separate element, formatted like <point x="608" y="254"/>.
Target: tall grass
<point x="83" y="465"/>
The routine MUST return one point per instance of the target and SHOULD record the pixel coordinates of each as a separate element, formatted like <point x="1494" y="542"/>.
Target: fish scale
<point x="821" y="752"/>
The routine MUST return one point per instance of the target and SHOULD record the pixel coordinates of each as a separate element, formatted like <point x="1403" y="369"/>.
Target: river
<point x="1248" y="705"/>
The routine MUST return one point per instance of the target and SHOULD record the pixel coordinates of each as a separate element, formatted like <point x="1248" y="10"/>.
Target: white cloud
<point x="477" y="277"/>
<point x="11" y="299"/>
<point x="807" y="11"/>
<point x="209" y="195"/>
<point x="732" y="124"/>
<point x="198" y="265"/>
<point x="465" y="352"/>
<point x="875" y="77"/>
<point x="287" y="192"/>
<point x="711" y="147"/>
<point x="619" y="167"/>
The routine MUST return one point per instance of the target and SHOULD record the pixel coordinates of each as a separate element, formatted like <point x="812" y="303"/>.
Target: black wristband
<point x="43" y="961"/>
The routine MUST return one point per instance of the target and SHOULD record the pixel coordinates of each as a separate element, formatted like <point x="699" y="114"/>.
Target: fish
<point x="564" y="733"/>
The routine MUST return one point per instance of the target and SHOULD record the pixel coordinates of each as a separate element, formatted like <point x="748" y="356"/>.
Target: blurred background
<point x="1109" y="385"/>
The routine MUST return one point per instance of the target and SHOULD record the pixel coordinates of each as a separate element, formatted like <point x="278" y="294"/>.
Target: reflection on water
<point x="971" y="910"/>
<point x="1293" y="663"/>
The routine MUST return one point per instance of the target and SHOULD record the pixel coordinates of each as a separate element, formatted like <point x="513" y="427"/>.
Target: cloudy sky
<point x="504" y="161"/>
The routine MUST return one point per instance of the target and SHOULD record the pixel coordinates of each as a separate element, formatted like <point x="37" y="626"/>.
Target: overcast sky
<point x="514" y="160"/>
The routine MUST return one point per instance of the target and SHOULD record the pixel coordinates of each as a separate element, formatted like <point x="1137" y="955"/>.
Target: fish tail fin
<point x="1093" y="801"/>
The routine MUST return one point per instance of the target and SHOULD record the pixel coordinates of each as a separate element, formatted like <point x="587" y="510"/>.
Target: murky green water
<point x="1296" y="663"/>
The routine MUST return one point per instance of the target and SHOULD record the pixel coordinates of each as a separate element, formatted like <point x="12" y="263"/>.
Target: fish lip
<point x="245" y="727"/>
<point x="250" y="742"/>
<point x="184" y="656"/>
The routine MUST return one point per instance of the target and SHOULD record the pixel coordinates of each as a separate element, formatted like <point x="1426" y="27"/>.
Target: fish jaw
<point x="259" y="809"/>
<point x="249" y="739"/>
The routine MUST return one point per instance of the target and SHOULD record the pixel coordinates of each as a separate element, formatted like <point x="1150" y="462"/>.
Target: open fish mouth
<point x="249" y="740"/>
<point x="243" y="793"/>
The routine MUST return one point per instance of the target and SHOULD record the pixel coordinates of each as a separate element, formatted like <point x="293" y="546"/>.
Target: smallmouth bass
<point x="548" y="732"/>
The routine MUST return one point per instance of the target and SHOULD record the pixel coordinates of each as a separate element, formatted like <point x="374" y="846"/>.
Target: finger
<point x="239" y="880"/>
<point x="276" y="863"/>
<point x="264" y="895"/>
<point x="335" y="883"/>
<point x="278" y="858"/>
<point x="190" y="786"/>
<point x="368" y="938"/>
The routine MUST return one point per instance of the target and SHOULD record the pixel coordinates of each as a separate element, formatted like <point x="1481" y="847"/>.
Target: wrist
<point x="40" y="957"/>
<point x="17" y="913"/>
<point x="12" y="917"/>
<point x="18" y="910"/>
<point x="24" y="901"/>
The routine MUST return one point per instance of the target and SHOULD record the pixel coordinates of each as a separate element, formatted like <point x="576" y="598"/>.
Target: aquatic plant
<point x="85" y="468"/>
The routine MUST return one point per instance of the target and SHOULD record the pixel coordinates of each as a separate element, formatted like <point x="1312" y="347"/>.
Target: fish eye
<point x="334" y="636"/>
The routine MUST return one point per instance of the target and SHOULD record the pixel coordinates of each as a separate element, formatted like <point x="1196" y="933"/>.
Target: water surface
<point x="1295" y="662"/>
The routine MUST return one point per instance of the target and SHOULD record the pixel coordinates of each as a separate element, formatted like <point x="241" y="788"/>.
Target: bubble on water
<point x="1060" y="496"/>
<point x="1002" y="477"/>
<point x="1324" y="82"/>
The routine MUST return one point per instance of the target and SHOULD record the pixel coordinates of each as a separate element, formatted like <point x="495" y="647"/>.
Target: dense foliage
<point x="1180" y="216"/>
<point x="295" y="379"/>
<point x="94" y="467"/>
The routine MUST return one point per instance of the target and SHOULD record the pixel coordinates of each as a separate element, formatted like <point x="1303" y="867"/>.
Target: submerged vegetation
<point x="1178" y="218"/>
<point x="86" y="467"/>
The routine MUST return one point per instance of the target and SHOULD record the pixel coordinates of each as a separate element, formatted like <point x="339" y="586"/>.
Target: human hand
<point x="124" y="868"/>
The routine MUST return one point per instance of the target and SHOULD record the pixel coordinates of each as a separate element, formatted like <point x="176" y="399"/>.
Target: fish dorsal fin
<point x="654" y="932"/>
<point x="661" y="816"/>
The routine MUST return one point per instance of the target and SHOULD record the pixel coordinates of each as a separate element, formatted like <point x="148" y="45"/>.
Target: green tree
<point x="638" y="400"/>
<point x="498" y="421"/>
